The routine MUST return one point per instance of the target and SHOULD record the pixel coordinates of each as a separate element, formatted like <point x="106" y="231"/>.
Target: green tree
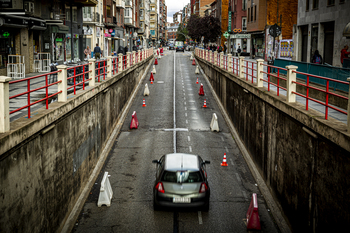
<point x="208" y="27"/>
<point x="181" y="33"/>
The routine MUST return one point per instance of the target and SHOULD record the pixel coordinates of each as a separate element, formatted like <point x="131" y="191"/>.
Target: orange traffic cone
<point x="151" y="78"/>
<point x="197" y="81"/>
<point x="205" y="103"/>
<point x="152" y="81"/>
<point x="224" y="163"/>
<point x="156" y="62"/>
<point x="194" y="62"/>
<point x="201" y="91"/>
<point x="144" y="103"/>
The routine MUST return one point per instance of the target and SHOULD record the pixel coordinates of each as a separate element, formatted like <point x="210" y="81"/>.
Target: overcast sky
<point x="174" y="6"/>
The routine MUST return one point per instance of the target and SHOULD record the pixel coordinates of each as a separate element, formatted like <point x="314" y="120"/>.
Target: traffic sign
<point x="275" y="30"/>
<point x="226" y="34"/>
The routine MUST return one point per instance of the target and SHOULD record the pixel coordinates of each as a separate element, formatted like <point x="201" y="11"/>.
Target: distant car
<point x="171" y="47"/>
<point x="180" y="48"/>
<point x="181" y="181"/>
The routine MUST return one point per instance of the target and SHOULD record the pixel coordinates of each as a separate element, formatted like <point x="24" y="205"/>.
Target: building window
<point x="314" y="4"/>
<point x="330" y="2"/>
<point x="244" y="5"/>
<point x="108" y="8"/>
<point x="251" y="14"/>
<point x="307" y="5"/>
<point x="255" y="13"/>
<point x="341" y="1"/>
<point x="244" y="23"/>
<point x="248" y="14"/>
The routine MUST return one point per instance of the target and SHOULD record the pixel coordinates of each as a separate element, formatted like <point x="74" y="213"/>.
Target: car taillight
<point x="159" y="187"/>
<point x="203" y="188"/>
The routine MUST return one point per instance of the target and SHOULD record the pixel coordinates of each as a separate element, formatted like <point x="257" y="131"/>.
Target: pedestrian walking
<point x="344" y="54"/>
<point x="239" y="51"/>
<point x="317" y="59"/>
<point x="97" y="52"/>
<point x="87" y="52"/>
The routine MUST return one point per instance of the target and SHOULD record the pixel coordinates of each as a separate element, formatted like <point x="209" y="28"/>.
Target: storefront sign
<point x="75" y="36"/>
<point x="111" y="30"/>
<point x="113" y="33"/>
<point x="98" y="32"/>
<point x="240" y="36"/>
<point x="229" y="21"/>
<point x="59" y="39"/>
<point x="107" y="35"/>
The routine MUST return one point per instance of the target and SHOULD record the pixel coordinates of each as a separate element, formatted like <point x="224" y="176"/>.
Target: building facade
<point x="320" y="26"/>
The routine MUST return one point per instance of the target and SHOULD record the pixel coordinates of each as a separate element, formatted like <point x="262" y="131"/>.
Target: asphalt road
<point x="132" y="172"/>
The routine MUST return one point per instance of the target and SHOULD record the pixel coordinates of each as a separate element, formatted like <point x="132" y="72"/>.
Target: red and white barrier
<point x="253" y="219"/>
<point x="134" y="122"/>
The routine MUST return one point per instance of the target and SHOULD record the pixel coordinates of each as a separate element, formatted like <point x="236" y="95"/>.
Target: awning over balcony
<point x="346" y="31"/>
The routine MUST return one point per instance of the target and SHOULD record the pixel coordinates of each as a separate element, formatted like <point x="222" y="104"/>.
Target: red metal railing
<point x="137" y="57"/>
<point x="131" y="61"/>
<point x="278" y="77"/>
<point x="235" y="65"/>
<point x="124" y="61"/>
<point x="78" y="77"/>
<point x="326" y="91"/>
<point x="249" y="68"/>
<point x="115" y="65"/>
<point x="225" y="62"/>
<point x="101" y="70"/>
<point x="29" y="91"/>
<point x="218" y="59"/>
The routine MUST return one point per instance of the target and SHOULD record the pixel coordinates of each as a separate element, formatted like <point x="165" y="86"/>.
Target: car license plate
<point x="181" y="200"/>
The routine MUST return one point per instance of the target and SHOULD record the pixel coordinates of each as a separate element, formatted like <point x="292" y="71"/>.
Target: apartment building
<point x="321" y="25"/>
<point x="31" y="27"/>
<point x="162" y="22"/>
<point x="153" y="22"/>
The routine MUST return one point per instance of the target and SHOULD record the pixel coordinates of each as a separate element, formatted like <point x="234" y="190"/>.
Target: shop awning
<point x="16" y="21"/>
<point x="346" y="31"/>
<point x="59" y="28"/>
<point x="87" y="2"/>
<point x="37" y="24"/>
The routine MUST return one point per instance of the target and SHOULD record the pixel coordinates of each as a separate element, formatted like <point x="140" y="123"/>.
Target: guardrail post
<point x="222" y="60"/>
<point x="349" y="107"/>
<point x="133" y="57"/>
<point x="208" y="57"/>
<point x="4" y="104"/>
<point x="62" y="86"/>
<point x="92" y="73"/>
<point x="215" y="57"/>
<point x="229" y="62"/>
<point x="291" y="86"/>
<point x="139" y="55"/>
<point x="211" y="56"/>
<point x="120" y="61"/>
<point x="259" y="74"/>
<point x="241" y="68"/>
<point x="109" y="67"/>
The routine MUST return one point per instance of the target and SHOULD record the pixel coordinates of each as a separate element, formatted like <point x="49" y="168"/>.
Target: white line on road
<point x="200" y="220"/>
<point x="190" y="148"/>
<point x="185" y="108"/>
<point x="174" y="115"/>
<point x="189" y="138"/>
<point x="186" y="121"/>
<point x="222" y="138"/>
<point x="226" y="149"/>
<point x="245" y="195"/>
<point x="231" y="162"/>
<point x="185" y="114"/>
<point x="185" y="103"/>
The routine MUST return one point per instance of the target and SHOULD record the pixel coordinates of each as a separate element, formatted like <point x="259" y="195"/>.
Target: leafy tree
<point x="181" y="32"/>
<point x="207" y="26"/>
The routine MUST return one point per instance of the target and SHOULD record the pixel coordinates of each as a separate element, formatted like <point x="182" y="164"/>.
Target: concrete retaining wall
<point x="46" y="161"/>
<point x="303" y="158"/>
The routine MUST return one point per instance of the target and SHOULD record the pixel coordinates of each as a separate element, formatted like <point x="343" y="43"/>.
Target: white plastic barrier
<point x="197" y="70"/>
<point x="146" y="92"/>
<point x="214" y="125"/>
<point x="154" y="69"/>
<point x="106" y="192"/>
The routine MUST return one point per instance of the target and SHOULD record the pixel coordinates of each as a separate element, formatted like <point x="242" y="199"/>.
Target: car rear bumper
<point x="165" y="201"/>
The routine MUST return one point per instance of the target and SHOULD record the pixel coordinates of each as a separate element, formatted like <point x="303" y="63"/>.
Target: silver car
<point x="181" y="181"/>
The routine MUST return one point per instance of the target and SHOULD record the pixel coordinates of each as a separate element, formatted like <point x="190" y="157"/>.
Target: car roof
<point x="181" y="161"/>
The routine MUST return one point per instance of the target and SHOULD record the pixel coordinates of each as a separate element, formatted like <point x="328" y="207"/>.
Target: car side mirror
<point x="155" y="161"/>
<point x="206" y="162"/>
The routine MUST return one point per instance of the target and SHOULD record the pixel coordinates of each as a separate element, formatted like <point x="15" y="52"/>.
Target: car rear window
<point x="182" y="177"/>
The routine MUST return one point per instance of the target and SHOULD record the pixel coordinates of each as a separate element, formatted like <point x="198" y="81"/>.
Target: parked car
<point x="181" y="181"/>
<point x="171" y="47"/>
<point x="179" y="46"/>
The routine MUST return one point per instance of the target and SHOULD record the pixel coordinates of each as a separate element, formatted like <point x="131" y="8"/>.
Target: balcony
<point x="120" y="4"/>
<point x="128" y="21"/>
<point x="128" y="3"/>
